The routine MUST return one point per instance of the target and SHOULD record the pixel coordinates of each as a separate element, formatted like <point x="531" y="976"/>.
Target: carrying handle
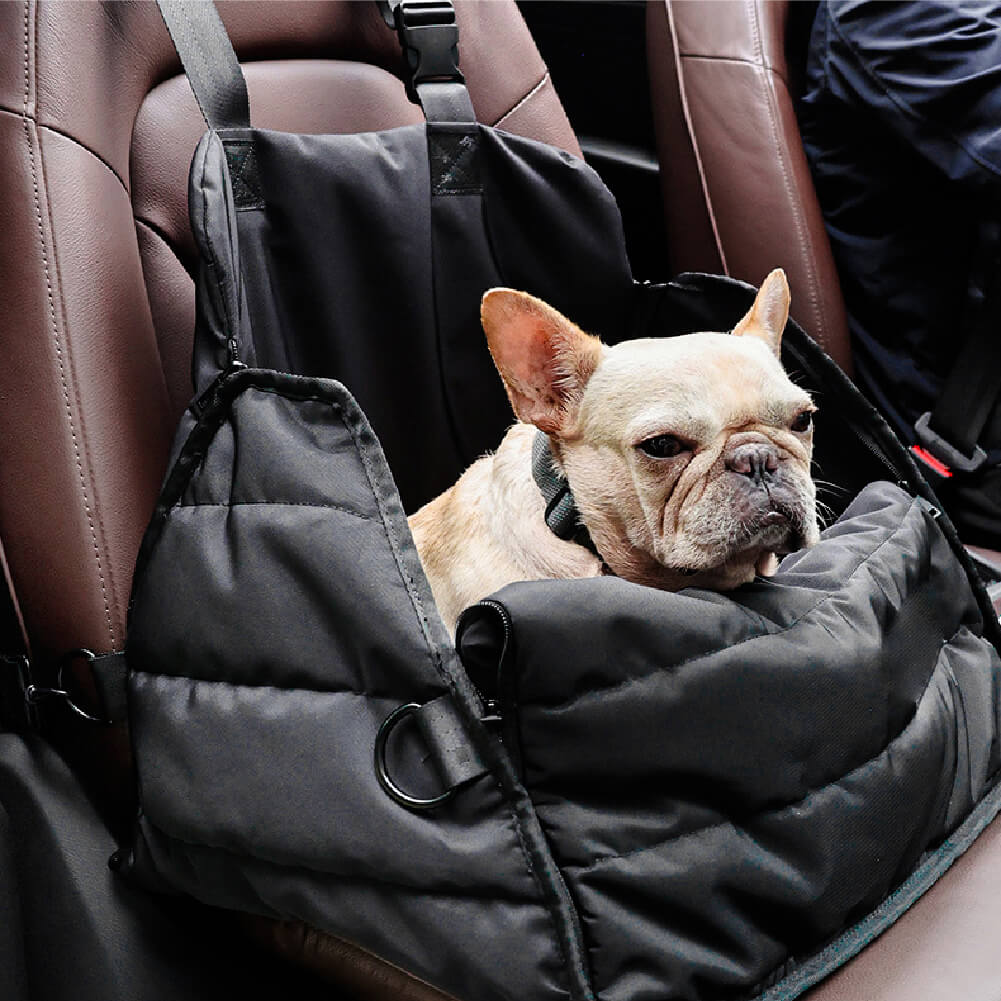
<point x="209" y="62"/>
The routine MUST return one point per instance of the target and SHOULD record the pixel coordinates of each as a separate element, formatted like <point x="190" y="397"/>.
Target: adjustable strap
<point x="562" y="515"/>
<point x="209" y="61"/>
<point x="429" y="36"/>
<point x="949" y="433"/>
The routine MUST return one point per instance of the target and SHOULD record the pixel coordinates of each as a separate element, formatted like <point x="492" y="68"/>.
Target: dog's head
<point x="688" y="457"/>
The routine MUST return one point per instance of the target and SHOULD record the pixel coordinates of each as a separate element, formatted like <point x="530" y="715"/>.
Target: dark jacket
<point x="901" y="120"/>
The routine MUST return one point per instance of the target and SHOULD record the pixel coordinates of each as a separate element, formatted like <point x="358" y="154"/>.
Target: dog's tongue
<point x="773" y="518"/>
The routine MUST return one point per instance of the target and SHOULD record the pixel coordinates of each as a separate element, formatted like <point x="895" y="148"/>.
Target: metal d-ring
<point x="34" y="694"/>
<point x="382" y="773"/>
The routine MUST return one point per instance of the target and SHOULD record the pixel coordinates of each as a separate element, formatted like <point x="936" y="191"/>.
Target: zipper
<point x="899" y="477"/>
<point x="492" y="716"/>
<point x="210" y="394"/>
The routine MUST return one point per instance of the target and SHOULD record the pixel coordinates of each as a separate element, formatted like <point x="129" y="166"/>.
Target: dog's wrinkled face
<point x="689" y="457"/>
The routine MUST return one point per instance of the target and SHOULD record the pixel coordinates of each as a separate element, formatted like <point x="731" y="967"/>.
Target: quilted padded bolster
<point x="280" y="615"/>
<point x="729" y="781"/>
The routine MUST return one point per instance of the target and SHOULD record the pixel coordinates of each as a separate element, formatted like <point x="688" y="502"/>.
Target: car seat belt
<point x="429" y="37"/>
<point x="949" y="433"/>
<point x="209" y="62"/>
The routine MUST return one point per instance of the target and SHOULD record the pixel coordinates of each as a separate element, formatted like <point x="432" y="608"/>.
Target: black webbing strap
<point x="14" y="676"/>
<point x="951" y="431"/>
<point x="454" y="755"/>
<point x="429" y="36"/>
<point x="209" y="61"/>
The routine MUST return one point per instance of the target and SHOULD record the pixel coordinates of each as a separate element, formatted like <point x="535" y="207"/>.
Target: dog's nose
<point x="755" y="460"/>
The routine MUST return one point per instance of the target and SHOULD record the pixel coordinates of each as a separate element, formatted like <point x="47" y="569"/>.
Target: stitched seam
<point x="709" y="58"/>
<point x="232" y="504"/>
<point x="62" y="361"/>
<point x="210" y="252"/>
<point x="687" y="115"/>
<point x="802" y="231"/>
<point x="398" y="558"/>
<point x="521" y="103"/>
<point x="283" y="689"/>
<point x="794" y="204"/>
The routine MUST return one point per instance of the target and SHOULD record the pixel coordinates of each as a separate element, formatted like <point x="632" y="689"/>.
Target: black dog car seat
<point x="601" y="790"/>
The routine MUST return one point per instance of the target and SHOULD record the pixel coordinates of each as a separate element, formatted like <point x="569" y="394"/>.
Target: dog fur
<point x="737" y="493"/>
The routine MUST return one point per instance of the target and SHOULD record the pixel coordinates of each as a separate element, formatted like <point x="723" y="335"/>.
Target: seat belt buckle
<point x="944" y="459"/>
<point x="429" y="36"/>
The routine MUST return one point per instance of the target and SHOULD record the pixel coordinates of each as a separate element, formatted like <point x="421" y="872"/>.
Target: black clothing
<point x="901" y="120"/>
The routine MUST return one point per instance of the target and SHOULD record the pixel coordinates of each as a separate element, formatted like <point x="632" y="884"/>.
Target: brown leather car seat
<point x="97" y="129"/>
<point x="738" y="196"/>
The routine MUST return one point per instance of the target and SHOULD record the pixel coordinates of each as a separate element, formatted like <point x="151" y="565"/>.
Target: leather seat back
<point x="737" y="189"/>
<point x="97" y="128"/>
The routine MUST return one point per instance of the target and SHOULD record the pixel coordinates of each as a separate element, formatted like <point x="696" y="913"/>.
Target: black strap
<point x="209" y="61"/>
<point x="455" y="757"/>
<point x="14" y="675"/>
<point x="562" y="515"/>
<point x="951" y="431"/>
<point x="429" y="36"/>
<point x="24" y="693"/>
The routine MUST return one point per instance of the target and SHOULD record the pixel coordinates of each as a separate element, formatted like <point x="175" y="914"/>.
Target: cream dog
<point x="688" y="458"/>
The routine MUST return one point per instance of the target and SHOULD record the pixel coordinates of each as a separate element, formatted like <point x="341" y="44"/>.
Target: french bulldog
<point x="688" y="458"/>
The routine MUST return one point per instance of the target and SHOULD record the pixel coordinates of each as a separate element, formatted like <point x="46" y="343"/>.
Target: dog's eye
<point x="663" y="446"/>
<point x="803" y="421"/>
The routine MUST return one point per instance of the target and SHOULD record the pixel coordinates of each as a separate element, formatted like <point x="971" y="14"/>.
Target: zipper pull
<point x="491" y="717"/>
<point x="208" y="397"/>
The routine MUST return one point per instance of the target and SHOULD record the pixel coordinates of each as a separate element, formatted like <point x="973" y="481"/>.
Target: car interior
<point x="685" y="108"/>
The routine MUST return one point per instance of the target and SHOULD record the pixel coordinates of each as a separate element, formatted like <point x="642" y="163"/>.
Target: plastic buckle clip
<point x="949" y="456"/>
<point x="34" y="694"/>
<point x="430" y="40"/>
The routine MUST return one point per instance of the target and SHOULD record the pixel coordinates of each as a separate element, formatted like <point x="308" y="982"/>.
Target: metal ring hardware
<point x="382" y="774"/>
<point x="35" y="694"/>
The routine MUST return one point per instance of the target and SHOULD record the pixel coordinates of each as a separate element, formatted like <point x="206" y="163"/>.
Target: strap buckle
<point x="947" y="459"/>
<point x="430" y="40"/>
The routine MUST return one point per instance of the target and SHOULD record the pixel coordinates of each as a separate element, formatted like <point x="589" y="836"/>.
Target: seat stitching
<point x="52" y="315"/>
<point x="693" y="139"/>
<point x="794" y="204"/>
<point x="524" y="100"/>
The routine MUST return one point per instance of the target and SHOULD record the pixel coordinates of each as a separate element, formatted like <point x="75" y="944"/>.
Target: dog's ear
<point x="766" y="319"/>
<point x="543" y="358"/>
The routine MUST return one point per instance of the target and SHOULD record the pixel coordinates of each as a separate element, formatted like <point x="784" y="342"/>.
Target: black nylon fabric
<point x="790" y="753"/>
<point x="382" y="290"/>
<point x="280" y="615"/>
<point x="254" y="733"/>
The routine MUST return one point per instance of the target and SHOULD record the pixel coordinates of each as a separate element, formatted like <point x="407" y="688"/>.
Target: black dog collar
<point x="562" y="515"/>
